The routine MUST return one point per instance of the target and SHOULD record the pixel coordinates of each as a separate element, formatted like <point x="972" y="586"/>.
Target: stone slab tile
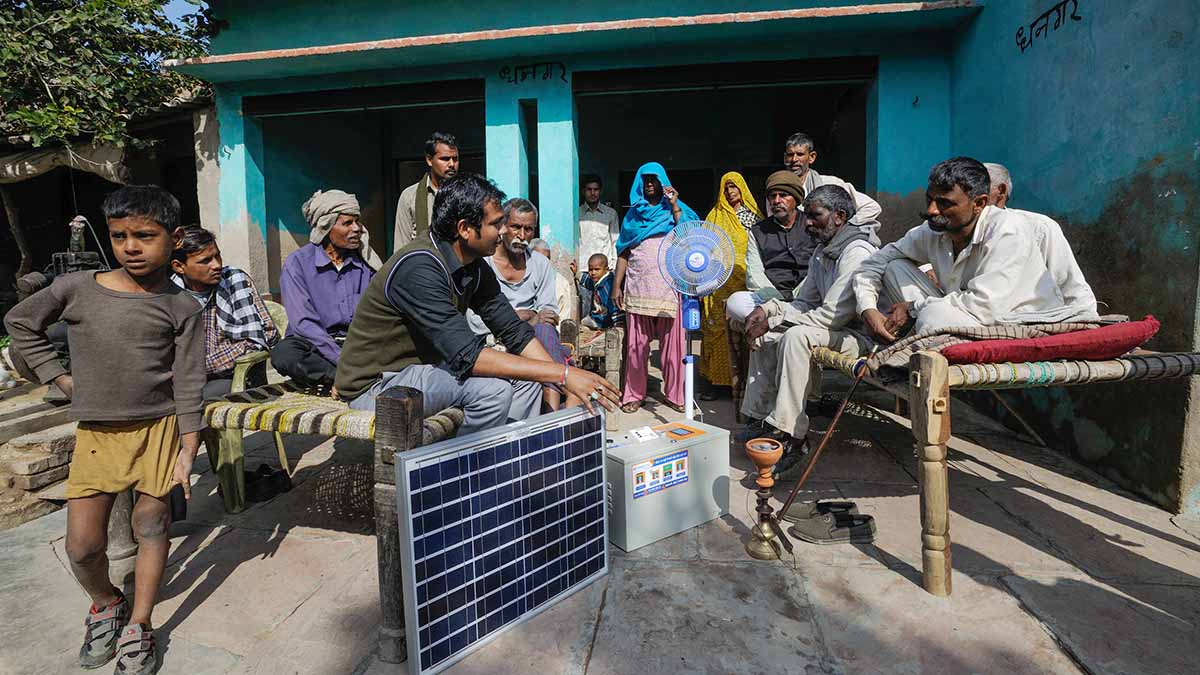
<point x="55" y="439"/>
<point x="240" y="586"/>
<point x="877" y="621"/>
<point x="1119" y="628"/>
<point x="31" y="419"/>
<point x="27" y="460"/>
<point x="56" y="492"/>
<point x="181" y="656"/>
<point x="853" y="454"/>
<point x="724" y="539"/>
<point x="43" y="627"/>
<point x="984" y="538"/>
<point x="18" y="506"/>
<point x="333" y="631"/>
<point x="682" y="546"/>
<point x="336" y="496"/>
<point x="39" y="480"/>
<point x="1109" y="536"/>
<point x="706" y="617"/>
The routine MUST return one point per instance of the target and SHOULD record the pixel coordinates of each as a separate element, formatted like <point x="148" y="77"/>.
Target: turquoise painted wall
<point x="278" y="24"/>
<point x="917" y="71"/>
<point x="1099" y="122"/>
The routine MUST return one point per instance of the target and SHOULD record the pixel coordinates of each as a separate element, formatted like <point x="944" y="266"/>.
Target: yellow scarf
<point x="723" y="214"/>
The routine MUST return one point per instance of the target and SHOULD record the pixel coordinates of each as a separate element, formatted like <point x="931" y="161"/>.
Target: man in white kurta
<point x="799" y="154"/>
<point x="986" y="259"/>
<point x="599" y="225"/>
<point x="822" y="314"/>
<point x="1049" y="239"/>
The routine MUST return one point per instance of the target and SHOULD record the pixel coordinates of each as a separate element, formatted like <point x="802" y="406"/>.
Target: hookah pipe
<point x="860" y="371"/>
<point x="765" y="452"/>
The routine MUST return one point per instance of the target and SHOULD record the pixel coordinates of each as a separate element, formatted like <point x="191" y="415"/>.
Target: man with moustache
<point x="783" y="334"/>
<point x="410" y="329"/>
<point x="414" y="209"/>
<point x="986" y="260"/>
<point x="528" y="282"/>
<point x="778" y="252"/>
<point x="800" y="153"/>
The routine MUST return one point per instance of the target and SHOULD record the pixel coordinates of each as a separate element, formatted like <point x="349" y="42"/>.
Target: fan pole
<point x="691" y="322"/>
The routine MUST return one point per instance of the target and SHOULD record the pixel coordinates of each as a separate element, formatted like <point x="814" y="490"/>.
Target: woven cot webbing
<point x="284" y="408"/>
<point x="1067" y="373"/>
<point x="1146" y="366"/>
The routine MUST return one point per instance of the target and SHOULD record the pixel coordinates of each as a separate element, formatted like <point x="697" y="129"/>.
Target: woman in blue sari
<point x="651" y="305"/>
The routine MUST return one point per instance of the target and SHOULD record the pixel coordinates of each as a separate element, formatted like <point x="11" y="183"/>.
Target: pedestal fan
<point x="696" y="259"/>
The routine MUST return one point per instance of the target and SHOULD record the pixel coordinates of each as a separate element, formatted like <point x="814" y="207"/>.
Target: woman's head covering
<point x="321" y="211"/>
<point x="643" y="219"/>
<point x="723" y="205"/>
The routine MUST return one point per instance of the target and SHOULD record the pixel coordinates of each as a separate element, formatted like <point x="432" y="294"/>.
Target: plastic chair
<point x="225" y="449"/>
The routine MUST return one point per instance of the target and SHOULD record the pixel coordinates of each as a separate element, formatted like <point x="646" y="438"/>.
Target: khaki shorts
<point x="113" y="457"/>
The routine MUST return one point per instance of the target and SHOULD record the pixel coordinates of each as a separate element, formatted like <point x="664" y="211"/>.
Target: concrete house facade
<point x="1092" y="105"/>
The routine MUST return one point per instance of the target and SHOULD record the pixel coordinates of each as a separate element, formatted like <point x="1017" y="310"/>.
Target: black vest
<point x="379" y="341"/>
<point x="784" y="253"/>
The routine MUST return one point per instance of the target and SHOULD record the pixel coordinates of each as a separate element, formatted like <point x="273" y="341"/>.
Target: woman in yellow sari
<point x="735" y="212"/>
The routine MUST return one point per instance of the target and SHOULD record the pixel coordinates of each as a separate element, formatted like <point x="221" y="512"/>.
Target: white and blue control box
<point x="666" y="479"/>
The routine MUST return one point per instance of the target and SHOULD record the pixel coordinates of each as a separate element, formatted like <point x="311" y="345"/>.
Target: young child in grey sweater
<point x="137" y="372"/>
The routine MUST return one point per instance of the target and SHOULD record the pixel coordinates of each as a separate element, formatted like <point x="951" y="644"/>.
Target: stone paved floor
<point x="1056" y="570"/>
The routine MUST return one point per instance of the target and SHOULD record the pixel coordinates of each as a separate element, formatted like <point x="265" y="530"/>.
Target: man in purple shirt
<point x="321" y="283"/>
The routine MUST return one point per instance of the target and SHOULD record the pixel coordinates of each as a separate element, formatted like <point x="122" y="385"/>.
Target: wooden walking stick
<point x="861" y="372"/>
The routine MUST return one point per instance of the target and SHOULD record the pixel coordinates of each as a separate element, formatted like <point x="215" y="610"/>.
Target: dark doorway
<point x="701" y="121"/>
<point x="369" y="141"/>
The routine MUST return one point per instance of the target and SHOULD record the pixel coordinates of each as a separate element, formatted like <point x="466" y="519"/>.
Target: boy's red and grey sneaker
<point x="137" y="653"/>
<point x="103" y="629"/>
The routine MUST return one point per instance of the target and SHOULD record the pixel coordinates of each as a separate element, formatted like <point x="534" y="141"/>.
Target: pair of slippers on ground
<point x="266" y="483"/>
<point x="830" y="522"/>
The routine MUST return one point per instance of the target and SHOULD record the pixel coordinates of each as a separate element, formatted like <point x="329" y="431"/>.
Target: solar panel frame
<point x="408" y="466"/>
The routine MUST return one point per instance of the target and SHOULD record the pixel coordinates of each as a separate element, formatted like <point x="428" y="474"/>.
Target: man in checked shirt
<point x="235" y="319"/>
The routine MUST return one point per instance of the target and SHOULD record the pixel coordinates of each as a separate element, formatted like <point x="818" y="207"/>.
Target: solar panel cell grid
<point x="499" y="530"/>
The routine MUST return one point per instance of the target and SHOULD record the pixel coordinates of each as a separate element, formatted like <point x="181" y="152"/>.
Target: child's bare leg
<point x="87" y="545"/>
<point x="151" y="518"/>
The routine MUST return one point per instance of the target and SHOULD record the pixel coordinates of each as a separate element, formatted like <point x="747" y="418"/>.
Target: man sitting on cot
<point x="782" y="335"/>
<point x="1050" y="240"/>
<point x="233" y="316"/>
<point x="527" y="280"/>
<point x="321" y="283"/>
<point x="778" y="252"/>
<point x="410" y="329"/>
<point x="986" y="260"/>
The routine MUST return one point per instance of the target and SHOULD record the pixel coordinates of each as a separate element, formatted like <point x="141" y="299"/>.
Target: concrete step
<point x="33" y="468"/>
<point x="22" y="411"/>
<point x="56" y="492"/>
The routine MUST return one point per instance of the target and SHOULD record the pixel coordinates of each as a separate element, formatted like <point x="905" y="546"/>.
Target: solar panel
<point x="497" y="526"/>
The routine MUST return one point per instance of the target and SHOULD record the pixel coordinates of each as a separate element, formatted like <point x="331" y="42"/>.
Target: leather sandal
<point x="830" y="528"/>
<point x="631" y="407"/>
<point x="805" y="511"/>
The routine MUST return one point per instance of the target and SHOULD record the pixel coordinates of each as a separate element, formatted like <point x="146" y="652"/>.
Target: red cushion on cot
<point x="1095" y="344"/>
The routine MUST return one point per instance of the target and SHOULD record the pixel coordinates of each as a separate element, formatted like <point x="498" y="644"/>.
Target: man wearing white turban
<point x="321" y="283"/>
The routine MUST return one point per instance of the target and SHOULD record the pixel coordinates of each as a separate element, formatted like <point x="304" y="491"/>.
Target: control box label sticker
<point x="660" y="473"/>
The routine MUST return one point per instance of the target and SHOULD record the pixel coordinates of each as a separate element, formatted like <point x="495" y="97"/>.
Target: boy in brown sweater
<point x="137" y="371"/>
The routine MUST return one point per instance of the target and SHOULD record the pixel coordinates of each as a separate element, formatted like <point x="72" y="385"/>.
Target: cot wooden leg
<point x="614" y="352"/>
<point x="226" y="457"/>
<point x="398" y="415"/>
<point x="929" y="400"/>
